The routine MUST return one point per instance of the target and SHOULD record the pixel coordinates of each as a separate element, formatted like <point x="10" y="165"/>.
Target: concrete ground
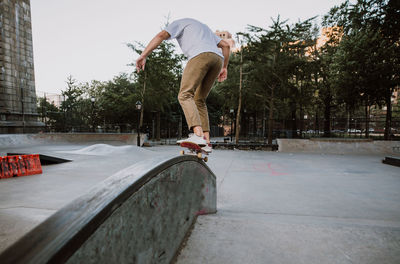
<point x="299" y="208"/>
<point x="27" y="201"/>
<point x="272" y="207"/>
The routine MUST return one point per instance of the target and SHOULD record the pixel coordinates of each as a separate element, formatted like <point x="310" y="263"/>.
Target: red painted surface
<point x="267" y="168"/>
<point x="190" y="145"/>
<point x="20" y="165"/>
<point x="201" y="212"/>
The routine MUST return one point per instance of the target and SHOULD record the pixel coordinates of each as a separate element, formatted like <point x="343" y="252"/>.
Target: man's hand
<point x="160" y="37"/>
<point x="140" y="63"/>
<point x="223" y="75"/>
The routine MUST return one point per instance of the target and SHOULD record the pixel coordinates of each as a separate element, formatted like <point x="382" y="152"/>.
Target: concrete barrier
<point x="12" y="140"/>
<point x="139" y="215"/>
<point x="339" y="146"/>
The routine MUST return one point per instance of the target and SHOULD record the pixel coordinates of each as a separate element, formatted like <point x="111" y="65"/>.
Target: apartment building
<point x="18" y="113"/>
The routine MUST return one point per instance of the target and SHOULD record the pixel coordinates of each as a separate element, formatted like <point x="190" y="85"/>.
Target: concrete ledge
<point x="394" y="161"/>
<point x="12" y="140"/>
<point x="245" y="146"/>
<point x="338" y="146"/>
<point x="139" y="215"/>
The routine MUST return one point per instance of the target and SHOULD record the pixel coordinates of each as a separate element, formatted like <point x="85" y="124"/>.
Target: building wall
<point x="18" y="112"/>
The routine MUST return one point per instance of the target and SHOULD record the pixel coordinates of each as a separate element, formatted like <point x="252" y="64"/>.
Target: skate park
<point x="305" y="132"/>
<point x="153" y="205"/>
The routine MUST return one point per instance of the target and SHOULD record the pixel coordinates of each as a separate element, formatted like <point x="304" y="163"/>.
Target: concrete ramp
<point x="339" y="146"/>
<point x="141" y="214"/>
<point x="15" y="140"/>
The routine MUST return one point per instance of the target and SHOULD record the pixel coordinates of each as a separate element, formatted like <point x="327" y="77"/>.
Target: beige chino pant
<point x="198" y="78"/>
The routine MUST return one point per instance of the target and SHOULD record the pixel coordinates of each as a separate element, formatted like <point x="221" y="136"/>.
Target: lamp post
<point x="138" y="107"/>
<point x="92" y="99"/>
<point x="244" y="124"/>
<point x="231" y="111"/>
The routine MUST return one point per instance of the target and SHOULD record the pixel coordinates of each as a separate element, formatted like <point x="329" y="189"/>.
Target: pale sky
<point x="87" y="38"/>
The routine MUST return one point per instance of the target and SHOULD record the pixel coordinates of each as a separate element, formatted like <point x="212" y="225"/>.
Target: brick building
<point x="18" y="112"/>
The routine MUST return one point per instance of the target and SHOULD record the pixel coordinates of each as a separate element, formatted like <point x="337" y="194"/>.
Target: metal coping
<point x="57" y="238"/>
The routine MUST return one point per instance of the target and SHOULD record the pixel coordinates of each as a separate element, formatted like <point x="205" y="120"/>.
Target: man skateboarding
<point x="205" y="64"/>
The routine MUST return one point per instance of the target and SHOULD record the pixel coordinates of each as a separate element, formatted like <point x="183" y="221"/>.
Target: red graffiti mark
<point x="201" y="212"/>
<point x="267" y="168"/>
<point x="274" y="172"/>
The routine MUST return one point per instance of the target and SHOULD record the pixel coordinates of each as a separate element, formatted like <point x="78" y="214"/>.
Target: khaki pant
<point x="198" y="78"/>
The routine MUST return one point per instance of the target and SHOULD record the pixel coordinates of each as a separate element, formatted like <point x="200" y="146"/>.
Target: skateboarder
<point x="208" y="57"/>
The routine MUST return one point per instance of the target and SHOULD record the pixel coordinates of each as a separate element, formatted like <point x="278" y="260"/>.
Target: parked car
<point x="353" y="130"/>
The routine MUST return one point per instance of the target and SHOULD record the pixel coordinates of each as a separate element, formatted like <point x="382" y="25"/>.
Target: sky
<point x="87" y="38"/>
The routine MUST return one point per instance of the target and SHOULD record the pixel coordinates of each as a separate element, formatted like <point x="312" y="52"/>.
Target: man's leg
<point x="198" y="130"/>
<point x="207" y="136"/>
<point x="192" y="79"/>
<point x="202" y="92"/>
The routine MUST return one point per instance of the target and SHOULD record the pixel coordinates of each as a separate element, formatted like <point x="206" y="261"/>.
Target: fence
<point x="252" y="128"/>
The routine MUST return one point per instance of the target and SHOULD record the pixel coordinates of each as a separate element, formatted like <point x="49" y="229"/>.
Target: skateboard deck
<point x="194" y="149"/>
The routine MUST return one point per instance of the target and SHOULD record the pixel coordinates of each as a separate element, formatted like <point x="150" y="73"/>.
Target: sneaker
<point x="207" y="148"/>
<point x="184" y="139"/>
<point x="193" y="138"/>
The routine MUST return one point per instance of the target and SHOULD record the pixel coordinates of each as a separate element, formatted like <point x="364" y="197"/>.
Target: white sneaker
<point x="207" y="148"/>
<point x="193" y="138"/>
<point x="184" y="139"/>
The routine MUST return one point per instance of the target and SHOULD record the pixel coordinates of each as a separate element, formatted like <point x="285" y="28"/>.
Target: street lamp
<point x="245" y="127"/>
<point x="231" y="111"/>
<point x="92" y="99"/>
<point x="138" y="107"/>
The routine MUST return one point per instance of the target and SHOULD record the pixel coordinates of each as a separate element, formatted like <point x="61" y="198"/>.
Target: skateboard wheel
<point x="182" y="152"/>
<point x="205" y="159"/>
<point x="199" y="155"/>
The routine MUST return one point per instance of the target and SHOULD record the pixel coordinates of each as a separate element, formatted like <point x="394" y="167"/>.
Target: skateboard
<point x="195" y="150"/>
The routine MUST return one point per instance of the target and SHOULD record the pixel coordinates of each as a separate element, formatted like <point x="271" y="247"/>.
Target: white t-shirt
<point x="194" y="37"/>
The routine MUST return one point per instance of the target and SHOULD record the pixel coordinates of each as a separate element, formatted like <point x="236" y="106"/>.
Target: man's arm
<point x="154" y="43"/>
<point x="226" y="49"/>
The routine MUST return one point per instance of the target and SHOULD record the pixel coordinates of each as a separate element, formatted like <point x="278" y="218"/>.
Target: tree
<point x="159" y="83"/>
<point x="237" y="133"/>
<point x="93" y="100"/>
<point x="368" y="54"/>
<point x="300" y="92"/>
<point x="326" y="91"/>
<point x="50" y="113"/>
<point x="115" y="100"/>
<point x="236" y="91"/>
<point x="70" y="105"/>
<point x="277" y="69"/>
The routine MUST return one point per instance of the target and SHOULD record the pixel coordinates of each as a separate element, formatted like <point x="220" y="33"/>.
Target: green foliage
<point x="72" y="105"/>
<point x="365" y="63"/>
<point x="228" y="90"/>
<point x="116" y="102"/>
<point x="285" y="74"/>
<point x="159" y="82"/>
<point x="50" y="114"/>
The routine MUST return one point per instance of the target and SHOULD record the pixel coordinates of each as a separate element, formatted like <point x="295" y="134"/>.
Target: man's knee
<point x="184" y="96"/>
<point x="180" y="98"/>
<point x="200" y="101"/>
